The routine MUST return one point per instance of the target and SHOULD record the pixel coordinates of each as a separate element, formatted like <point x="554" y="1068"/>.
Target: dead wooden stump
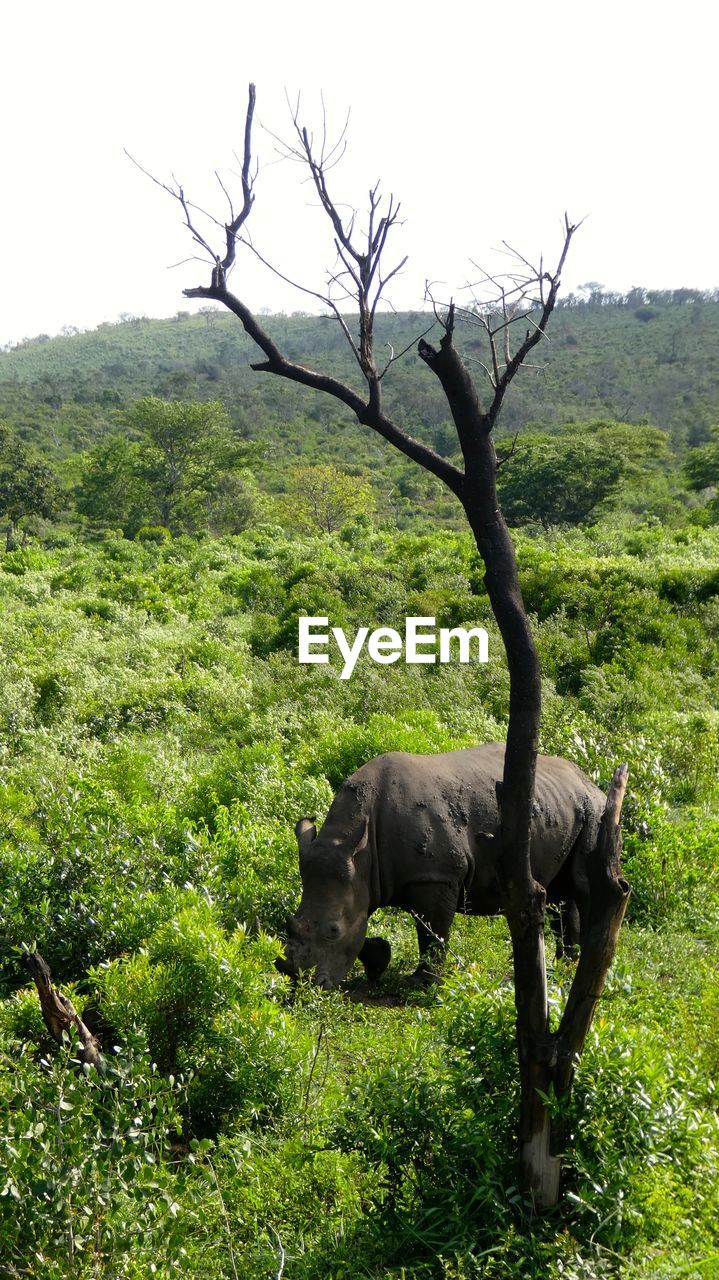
<point x="58" y="1011"/>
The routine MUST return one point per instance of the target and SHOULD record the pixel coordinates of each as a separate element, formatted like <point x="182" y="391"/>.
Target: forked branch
<point x="222" y="263"/>
<point x="361" y="276"/>
<point x="524" y="297"/>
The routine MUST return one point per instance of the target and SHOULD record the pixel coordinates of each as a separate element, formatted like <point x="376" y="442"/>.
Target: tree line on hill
<point x="177" y="467"/>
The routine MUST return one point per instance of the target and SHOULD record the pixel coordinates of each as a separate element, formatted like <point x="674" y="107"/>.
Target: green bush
<point x="673" y="869"/>
<point x="86" y="1183"/>
<point x="153" y="533"/>
<point x="199" y="995"/>
<point x="158" y="741"/>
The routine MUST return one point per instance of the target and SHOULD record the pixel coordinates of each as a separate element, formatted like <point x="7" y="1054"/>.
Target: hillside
<point x="655" y="363"/>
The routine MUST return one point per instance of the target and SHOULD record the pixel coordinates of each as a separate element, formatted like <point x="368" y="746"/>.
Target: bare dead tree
<point x="520" y="302"/>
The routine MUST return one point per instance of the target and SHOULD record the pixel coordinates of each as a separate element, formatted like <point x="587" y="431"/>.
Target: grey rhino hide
<point x="419" y="833"/>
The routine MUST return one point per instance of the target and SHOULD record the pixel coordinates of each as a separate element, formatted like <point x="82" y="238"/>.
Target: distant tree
<point x="111" y="490"/>
<point x="563" y="478"/>
<point x="682" y="296"/>
<point x="555" y="481"/>
<point x="176" y="472"/>
<point x="701" y="466"/>
<point x="322" y="499"/>
<point x="234" y="503"/>
<point x="593" y="293"/>
<point x="186" y="447"/>
<point x="636" y="297"/>
<point x="444" y="439"/>
<point x="27" y="487"/>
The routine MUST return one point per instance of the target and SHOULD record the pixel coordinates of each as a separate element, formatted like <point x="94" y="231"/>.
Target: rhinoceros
<point x="418" y="832"/>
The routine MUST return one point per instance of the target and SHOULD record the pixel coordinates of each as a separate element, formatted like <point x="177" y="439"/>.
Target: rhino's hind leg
<point x="564" y="920"/>
<point x="375" y="955"/>
<point x="433" y="908"/>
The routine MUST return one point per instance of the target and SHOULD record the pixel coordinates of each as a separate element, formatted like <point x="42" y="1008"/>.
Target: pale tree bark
<point x="521" y="300"/>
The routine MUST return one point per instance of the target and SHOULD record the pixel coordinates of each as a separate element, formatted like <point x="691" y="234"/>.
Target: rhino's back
<point x="426" y="812"/>
<point x="439" y="779"/>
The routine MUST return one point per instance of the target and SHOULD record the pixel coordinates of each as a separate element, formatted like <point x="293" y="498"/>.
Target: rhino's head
<point x="326" y="934"/>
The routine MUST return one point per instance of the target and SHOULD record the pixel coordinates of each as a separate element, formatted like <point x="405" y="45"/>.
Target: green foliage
<point x="673" y="870"/>
<point x="702" y="465"/>
<point x="339" y="752"/>
<point x="85" y="1185"/>
<point x="184" y="448"/>
<point x="153" y="533"/>
<point x="556" y="481"/>
<point x="75" y="395"/>
<point x="601" y="362"/>
<point x="701" y="470"/>
<point x="323" y="498"/>
<point x="200" y="997"/>
<point x="179" y="461"/>
<point x="111" y="490"/>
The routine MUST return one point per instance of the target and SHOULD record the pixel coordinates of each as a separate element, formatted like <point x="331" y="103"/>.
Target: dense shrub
<point x="199" y="996"/>
<point x="85" y="1185"/>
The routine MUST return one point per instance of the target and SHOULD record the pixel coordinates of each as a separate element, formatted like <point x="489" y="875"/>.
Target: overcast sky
<point x="487" y="120"/>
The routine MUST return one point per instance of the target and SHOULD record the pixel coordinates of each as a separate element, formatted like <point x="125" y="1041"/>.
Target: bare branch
<point x="232" y="228"/>
<point x="504" y="457"/>
<point x="367" y="413"/>
<point x="365" y="284"/>
<point x="536" y="333"/>
<point x="325" y="299"/>
<point x="394" y="358"/>
<point x="365" y="281"/>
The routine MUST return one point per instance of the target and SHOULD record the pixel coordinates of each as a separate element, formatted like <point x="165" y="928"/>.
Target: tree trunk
<point x="546" y="1061"/>
<point x="523" y="899"/>
<point x="607" y="902"/>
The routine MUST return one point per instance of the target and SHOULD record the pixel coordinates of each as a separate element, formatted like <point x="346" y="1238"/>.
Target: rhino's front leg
<point x="375" y="955"/>
<point x="433" y="907"/>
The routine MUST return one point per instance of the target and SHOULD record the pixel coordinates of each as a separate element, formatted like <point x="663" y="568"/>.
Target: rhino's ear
<point x="306" y="832"/>
<point x="363" y="840"/>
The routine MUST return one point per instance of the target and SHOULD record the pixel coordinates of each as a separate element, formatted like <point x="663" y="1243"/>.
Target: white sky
<point x="488" y="120"/>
